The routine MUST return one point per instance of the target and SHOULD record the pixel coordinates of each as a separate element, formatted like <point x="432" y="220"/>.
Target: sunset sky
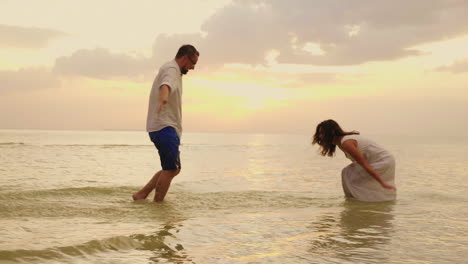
<point x="388" y="67"/>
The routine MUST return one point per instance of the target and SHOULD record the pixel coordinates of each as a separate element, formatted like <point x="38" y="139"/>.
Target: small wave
<point x="71" y="192"/>
<point x="73" y="145"/>
<point x="439" y="196"/>
<point x="116" y="202"/>
<point x="97" y="145"/>
<point x="11" y="143"/>
<point x="214" y="200"/>
<point x="154" y="243"/>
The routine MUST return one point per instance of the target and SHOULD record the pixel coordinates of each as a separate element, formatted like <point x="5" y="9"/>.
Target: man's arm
<point x="164" y="91"/>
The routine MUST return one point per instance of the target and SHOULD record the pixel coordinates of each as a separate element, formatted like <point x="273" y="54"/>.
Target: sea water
<point x="65" y="197"/>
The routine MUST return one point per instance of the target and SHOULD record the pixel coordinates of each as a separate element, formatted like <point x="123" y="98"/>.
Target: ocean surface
<point x="65" y="197"/>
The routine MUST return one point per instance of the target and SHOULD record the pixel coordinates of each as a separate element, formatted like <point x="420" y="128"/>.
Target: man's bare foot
<point x="138" y="196"/>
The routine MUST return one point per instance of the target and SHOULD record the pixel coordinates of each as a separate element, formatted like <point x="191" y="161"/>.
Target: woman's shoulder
<point x="348" y="137"/>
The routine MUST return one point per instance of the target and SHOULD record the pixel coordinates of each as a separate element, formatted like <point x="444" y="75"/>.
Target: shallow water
<point x="65" y="197"/>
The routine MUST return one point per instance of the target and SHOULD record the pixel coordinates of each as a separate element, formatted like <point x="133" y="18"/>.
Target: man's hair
<point x="187" y="50"/>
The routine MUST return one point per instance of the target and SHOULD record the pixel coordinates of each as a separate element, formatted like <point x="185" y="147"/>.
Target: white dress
<point x="358" y="183"/>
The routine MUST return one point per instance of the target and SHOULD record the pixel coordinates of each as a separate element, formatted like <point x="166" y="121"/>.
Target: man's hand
<point x="161" y="105"/>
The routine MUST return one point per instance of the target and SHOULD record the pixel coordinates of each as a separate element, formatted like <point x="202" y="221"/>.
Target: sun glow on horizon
<point x="100" y="72"/>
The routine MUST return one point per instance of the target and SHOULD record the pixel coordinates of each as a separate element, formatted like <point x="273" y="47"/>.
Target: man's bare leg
<point x="149" y="187"/>
<point x="163" y="184"/>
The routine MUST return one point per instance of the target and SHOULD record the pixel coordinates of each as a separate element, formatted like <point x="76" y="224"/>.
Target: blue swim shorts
<point x="167" y="142"/>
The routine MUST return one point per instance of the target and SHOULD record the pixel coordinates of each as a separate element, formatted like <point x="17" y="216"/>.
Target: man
<point x="164" y="121"/>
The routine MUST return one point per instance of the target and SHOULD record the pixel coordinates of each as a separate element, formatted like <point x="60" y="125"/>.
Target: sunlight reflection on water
<point x="65" y="197"/>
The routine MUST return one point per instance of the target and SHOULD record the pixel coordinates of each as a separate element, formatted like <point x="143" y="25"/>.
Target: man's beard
<point x="184" y="71"/>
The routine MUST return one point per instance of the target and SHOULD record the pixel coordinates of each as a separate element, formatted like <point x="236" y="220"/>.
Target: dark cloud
<point x="102" y="64"/>
<point x="26" y="80"/>
<point x="460" y="66"/>
<point x="348" y="32"/>
<point x="22" y="37"/>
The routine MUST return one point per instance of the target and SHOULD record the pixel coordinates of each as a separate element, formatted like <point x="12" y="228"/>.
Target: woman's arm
<point x="350" y="147"/>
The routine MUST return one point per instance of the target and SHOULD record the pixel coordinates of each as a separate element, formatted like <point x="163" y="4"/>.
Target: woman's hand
<point x="388" y="186"/>
<point x="350" y="146"/>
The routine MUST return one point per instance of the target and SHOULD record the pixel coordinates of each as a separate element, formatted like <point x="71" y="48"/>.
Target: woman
<point x="371" y="175"/>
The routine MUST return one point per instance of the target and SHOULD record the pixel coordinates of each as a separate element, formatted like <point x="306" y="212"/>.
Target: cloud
<point x="26" y="80"/>
<point x="460" y="66"/>
<point x="319" y="32"/>
<point x="102" y="64"/>
<point x="25" y="37"/>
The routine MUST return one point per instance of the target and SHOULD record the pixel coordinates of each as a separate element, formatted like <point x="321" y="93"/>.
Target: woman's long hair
<point x="325" y="133"/>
